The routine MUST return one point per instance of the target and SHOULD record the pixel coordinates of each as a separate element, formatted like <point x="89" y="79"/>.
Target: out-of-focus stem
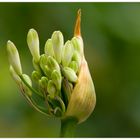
<point x="68" y="126"/>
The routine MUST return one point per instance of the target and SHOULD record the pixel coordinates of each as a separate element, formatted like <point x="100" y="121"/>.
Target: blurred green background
<point x="111" y="33"/>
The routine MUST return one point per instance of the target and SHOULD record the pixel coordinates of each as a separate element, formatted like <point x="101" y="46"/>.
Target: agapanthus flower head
<point x="60" y="79"/>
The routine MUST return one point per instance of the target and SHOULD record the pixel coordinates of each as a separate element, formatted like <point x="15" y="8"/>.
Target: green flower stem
<point x="68" y="127"/>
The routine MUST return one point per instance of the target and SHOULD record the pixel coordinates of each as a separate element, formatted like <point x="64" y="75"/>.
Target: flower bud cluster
<point x="60" y="83"/>
<point x="56" y="71"/>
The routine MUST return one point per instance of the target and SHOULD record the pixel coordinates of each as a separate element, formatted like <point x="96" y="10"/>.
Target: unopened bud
<point x="70" y="74"/>
<point x="58" y="42"/>
<point x="67" y="53"/>
<point x="56" y="78"/>
<point x="47" y="71"/>
<point x="33" y="44"/>
<point x="14" y="57"/>
<point x="74" y="66"/>
<point x="76" y="57"/>
<point x="43" y="83"/>
<point x="43" y="61"/>
<point x="52" y="64"/>
<point x="51" y="89"/>
<point x="36" y="76"/>
<point x="49" y="48"/>
<point x="78" y="44"/>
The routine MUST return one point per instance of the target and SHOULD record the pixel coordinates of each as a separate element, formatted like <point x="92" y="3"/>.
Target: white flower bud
<point x="70" y="74"/>
<point x="14" y="57"/>
<point x="77" y="42"/>
<point x="33" y="44"/>
<point x="58" y="42"/>
<point x="49" y="48"/>
<point x="67" y="53"/>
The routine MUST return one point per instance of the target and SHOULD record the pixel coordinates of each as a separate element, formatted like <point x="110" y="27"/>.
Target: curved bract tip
<point x="77" y="29"/>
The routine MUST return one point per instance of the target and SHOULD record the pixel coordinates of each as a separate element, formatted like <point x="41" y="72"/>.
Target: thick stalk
<point x="68" y="126"/>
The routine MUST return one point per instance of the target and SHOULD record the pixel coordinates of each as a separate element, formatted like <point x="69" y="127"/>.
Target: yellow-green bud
<point x="47" y="71"/>
<point x="36" y="65"/>
<point x="74" y="65"/>
<point x="67" y="53"/>
<point x="36" y="76"/>
<point x="33" y="44"/>
<point x="14" y="57"/>
<point x="51" y="89"/>
<point x="58" y="42"/>
<point x="28" y="80"/>
<point x="43" y="61"/>
<point x="52" y="64"/>
<point x="76" y="57"/>
<point x="78" y="44"/>
<point x="43" y="83"/>
<point x="56" y="78"/>
<point x="70" y="74"/>
<point x="49" y="48"/>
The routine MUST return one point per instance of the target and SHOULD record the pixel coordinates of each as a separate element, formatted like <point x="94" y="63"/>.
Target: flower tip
<point x="33" y="44"/>
<point x="77" y="29"/>
<point x="32" y="34"/>
<point x="14" y="57"/>
<point x="79" y="12"/>
<point x="57" y="42"/>
<point x="10" y="44"/>
<point x="32" y="29"/>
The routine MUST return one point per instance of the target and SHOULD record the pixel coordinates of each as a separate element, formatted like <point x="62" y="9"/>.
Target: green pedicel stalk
<point x="62" y="79"/>
<point x="68" y="127"/>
